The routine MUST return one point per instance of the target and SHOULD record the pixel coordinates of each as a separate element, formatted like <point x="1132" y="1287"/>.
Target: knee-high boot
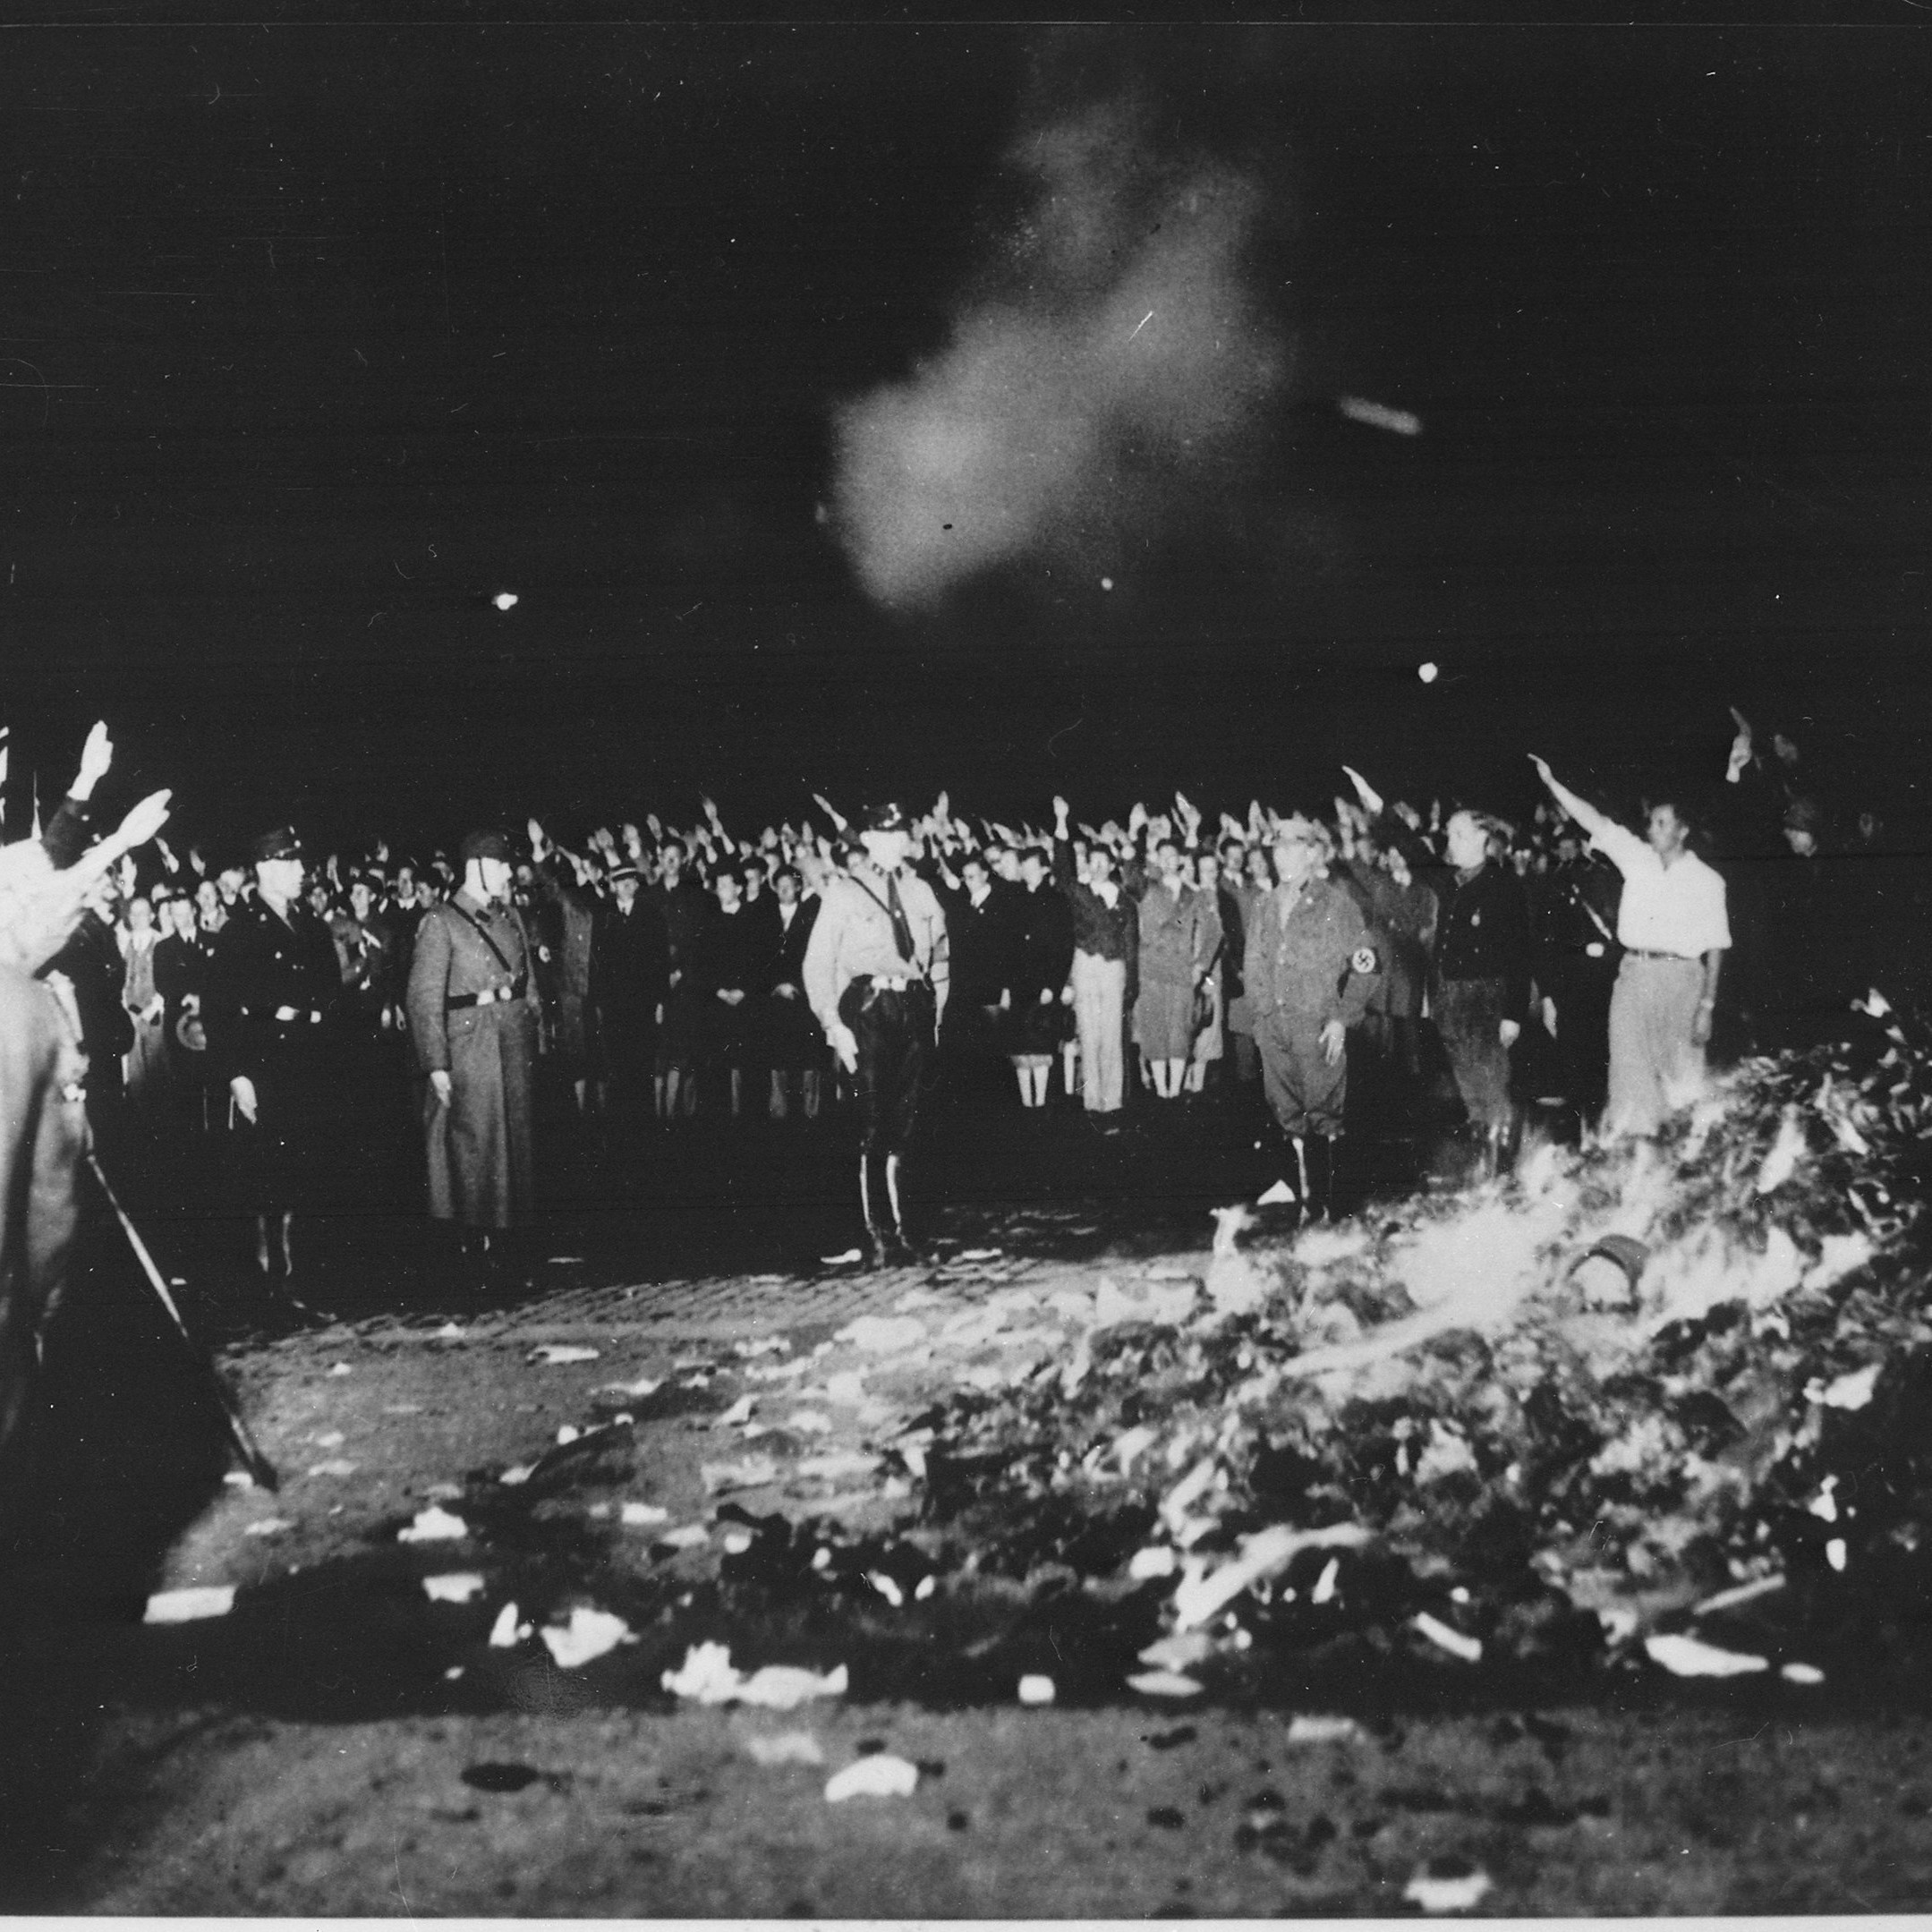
<point x="873" y="1203"/>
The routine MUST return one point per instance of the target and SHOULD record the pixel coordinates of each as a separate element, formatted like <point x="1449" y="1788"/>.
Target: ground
<point x="340" y="1743"/>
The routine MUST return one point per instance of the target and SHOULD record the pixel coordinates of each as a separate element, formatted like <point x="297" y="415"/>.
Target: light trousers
<point x="1099" y="1004"/>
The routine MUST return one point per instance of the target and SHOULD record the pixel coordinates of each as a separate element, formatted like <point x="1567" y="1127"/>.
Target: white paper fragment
<point x="880" y="1775"/>
<point x="505" y="1633"/>
<point x="270" y="1525"/>
<point x="457" y="1587"/>
<point x="1686" y="1657"/>
<point x="1853" y="1390"/>
<point x="708" y="1676"/>
<point x="556" y="1354"/>
<point x="1802" y="1673"/>
<point x="1164" y="1684"/>
<point x="336" y="1467"/>
<point x="589" y="1634"/>
<point x="1037" y="1688"/>
<point x="1836" y="1554"/>
<point x="642" y="1515"/>
<point x="977" y="1254"/>
<point x="1322" y="1729"/>
<point x="844" y="1260"/>
<point x="518" y="1474"/>
<point x="1180" y="1652"/>
<point x="1279" y="1195"/>
<point x="688" y="1538"/>
<point x="450" y="1332"/>
<point x="1460" y="1894"/>
<point x="739" y="1412"/>
<point x="328" y="1438"/>
<point x="190" y="1605"/>
<point x="636" y="1390"/>
<point x="1266" y="1553"/>
<point x="1469" y="1649"/>
<point x="785" y="1747"/>
<point x="888" y="1587"/>
<point x="239" y="1479"/>
<point x="1156" y="1560"/>
<point x="341" y="1368"/>
<point x="884" y="1334"/>
<point x="433" y="1525"/>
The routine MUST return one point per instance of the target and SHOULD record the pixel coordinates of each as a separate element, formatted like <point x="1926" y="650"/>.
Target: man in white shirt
<point x="1674" y="930"/>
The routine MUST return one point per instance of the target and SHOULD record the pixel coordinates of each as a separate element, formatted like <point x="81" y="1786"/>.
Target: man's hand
<point x="1740" y="748"/>
<point x="1334" y="1038"/>
<point x="439" y="1086"/>
<point x="1060" y="809"/>
<point x="1543" y="769"/>
<point x="1549" y="1016"/>
<point x="942" y="808"/>
<point x="96" y="755"/>
<point x="1046" y="996"/>
<point x="1509" y="1032"/>
<point x="786" y="990"/>
<point x="142" y="822"/>
<point x="845" y="1047"/>
<point x="243" y="1090"/>
<point x="537" y="843"/>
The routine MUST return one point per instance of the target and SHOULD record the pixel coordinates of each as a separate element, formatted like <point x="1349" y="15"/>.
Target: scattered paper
<point x="1035" y="1689"/>
<point x="785" y="1747"/>
<point x="434" y="1525"/>
<point x="1164" y="1684"/>
<point x="518" y="1474"/>
<point x="458" y="1586"/>
<point x="450" y="1332"/>
<point x="1157" y="1560"/>
<point x="755" y="1472"/>
<point x="1279" y="1195"/>
<point x="884" y="1334"/>
<point x="1265" y="1554"/>
<point x="335" y="1467"/>
<point x="270" y="1525"/>
<point x="555" y="1354"/>
<point x="190" y="1605"/>
<point x="642" y="1515"/>
<point x="739" y="1412"/>
<point x="880" y="1775"/>
<point x="1458" y="1894"/>
<point x="1801" y="1673"/>
<point x="1853" y="1390"/>
<point x="1469" y="1649"/>
<point x="588" y="1635"/>
<point x="239" y="1479"/>
<point x="505" y="1633"/>
<point x="328" y="1438"/>
<point x="844" y="1260"/>
<point x="708" y="1676"/>
<point x="341" y="1368"/>
<point x="978" y="1254"/>
<point x="688" y="1538"/>
<point x="636" y="1390"/>
<point x="1322" y="1729"/>
<point x="1685" y="1656"/>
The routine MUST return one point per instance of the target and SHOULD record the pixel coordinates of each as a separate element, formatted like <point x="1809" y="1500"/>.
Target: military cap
<point x="485" y="845"/>
<point x="885" y="818"/>
<point x="280" y="843"/>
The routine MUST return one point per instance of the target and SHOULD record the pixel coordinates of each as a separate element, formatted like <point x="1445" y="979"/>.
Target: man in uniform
<point x="473" y="1018"/>
<point x="275" y="986"/>
<point x="1309" y="970"/>
<point x="876" y="973"/>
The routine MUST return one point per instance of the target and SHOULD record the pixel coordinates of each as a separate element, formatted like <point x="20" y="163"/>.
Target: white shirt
<point x="1675" y="908"/>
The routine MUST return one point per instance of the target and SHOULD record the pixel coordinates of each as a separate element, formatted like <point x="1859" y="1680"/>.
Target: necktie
<point x="902" y="931"/>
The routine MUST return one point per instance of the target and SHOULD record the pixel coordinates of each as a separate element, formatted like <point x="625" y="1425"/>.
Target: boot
<point x="878" y="1241"/>
<point x="905" y="1248"/>
<point x="1321" y="1165"/>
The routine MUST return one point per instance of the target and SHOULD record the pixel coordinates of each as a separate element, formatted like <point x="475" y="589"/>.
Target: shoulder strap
<point x="477" y="927"/>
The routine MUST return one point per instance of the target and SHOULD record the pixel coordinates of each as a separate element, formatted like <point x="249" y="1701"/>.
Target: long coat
<point x="275" y="989"/>
<point x="481" y="1146"/>
<point x="1179" y="935"/>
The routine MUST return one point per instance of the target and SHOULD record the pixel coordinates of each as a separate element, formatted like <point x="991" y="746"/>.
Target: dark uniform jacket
<point x="91" y="963"/>
<point x="629" y="961"/>
<point x="1483" y="933"/>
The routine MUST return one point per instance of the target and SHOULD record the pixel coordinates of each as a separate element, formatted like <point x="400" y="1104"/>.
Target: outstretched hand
<point x="1543" y="769"/>
<point x="96" y="755"/>
<point x="143" y="822"/>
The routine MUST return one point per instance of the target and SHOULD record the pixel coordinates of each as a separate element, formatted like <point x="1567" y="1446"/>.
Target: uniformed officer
<point x="473" y="1009"/>
<point x="1309" y="970"/>
<point x="274" y="986"/>
<point x="876" y="973"/>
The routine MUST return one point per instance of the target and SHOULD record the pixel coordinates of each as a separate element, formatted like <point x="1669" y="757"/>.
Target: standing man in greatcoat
<point x="474" y="1021"/>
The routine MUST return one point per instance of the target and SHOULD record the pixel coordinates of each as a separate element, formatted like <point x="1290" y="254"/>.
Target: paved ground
<point x="339" y="1742"/>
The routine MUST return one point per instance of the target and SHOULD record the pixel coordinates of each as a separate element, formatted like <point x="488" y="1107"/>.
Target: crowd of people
<point x="297" y="1026"/>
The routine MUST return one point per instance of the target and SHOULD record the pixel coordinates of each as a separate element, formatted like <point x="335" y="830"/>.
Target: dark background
<point x="316" y="334"/>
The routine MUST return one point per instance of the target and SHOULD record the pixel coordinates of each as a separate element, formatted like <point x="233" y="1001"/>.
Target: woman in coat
<point x="1180" y="938"/>
<point x="1040" y="951"/>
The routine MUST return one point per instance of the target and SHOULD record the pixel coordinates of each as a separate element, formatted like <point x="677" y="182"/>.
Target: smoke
<point x="1105" y="375"/>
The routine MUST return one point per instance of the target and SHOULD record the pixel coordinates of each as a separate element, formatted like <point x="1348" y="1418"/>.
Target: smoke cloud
<point x="1104" y="375"/>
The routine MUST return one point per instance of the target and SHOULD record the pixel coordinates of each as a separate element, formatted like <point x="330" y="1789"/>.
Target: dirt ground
<point x="339" y="1742"/>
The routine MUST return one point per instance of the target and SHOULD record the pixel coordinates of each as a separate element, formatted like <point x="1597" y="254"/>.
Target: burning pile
<point x="1633" y="1394"/>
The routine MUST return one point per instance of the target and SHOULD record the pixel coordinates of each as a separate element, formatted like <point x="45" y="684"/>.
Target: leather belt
<point x="289" y="1015"/>
<point x="489" y="996"/>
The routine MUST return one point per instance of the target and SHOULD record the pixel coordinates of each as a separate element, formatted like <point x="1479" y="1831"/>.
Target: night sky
<point x="318" y="335"/>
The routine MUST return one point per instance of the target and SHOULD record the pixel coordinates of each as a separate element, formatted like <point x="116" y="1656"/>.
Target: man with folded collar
<point x="473" y="1020"/>
<point x="876" y="971"/>
<point x="274" y="987"/>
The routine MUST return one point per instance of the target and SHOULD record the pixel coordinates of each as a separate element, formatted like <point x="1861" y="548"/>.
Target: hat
<point x="622" y="872"/>
<point x="886" y="818"/>
<point x="280" y="843"/>
<point x="485" y="845"/>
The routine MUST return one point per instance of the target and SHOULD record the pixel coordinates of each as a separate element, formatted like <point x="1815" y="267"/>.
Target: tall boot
<point x="1323" y="1158"/>
<point x="877" y="1244"/>
<point x="905" y="1248"/>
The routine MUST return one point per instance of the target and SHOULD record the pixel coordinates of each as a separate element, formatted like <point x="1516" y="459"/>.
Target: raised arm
<point x="1581" y="809"/>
